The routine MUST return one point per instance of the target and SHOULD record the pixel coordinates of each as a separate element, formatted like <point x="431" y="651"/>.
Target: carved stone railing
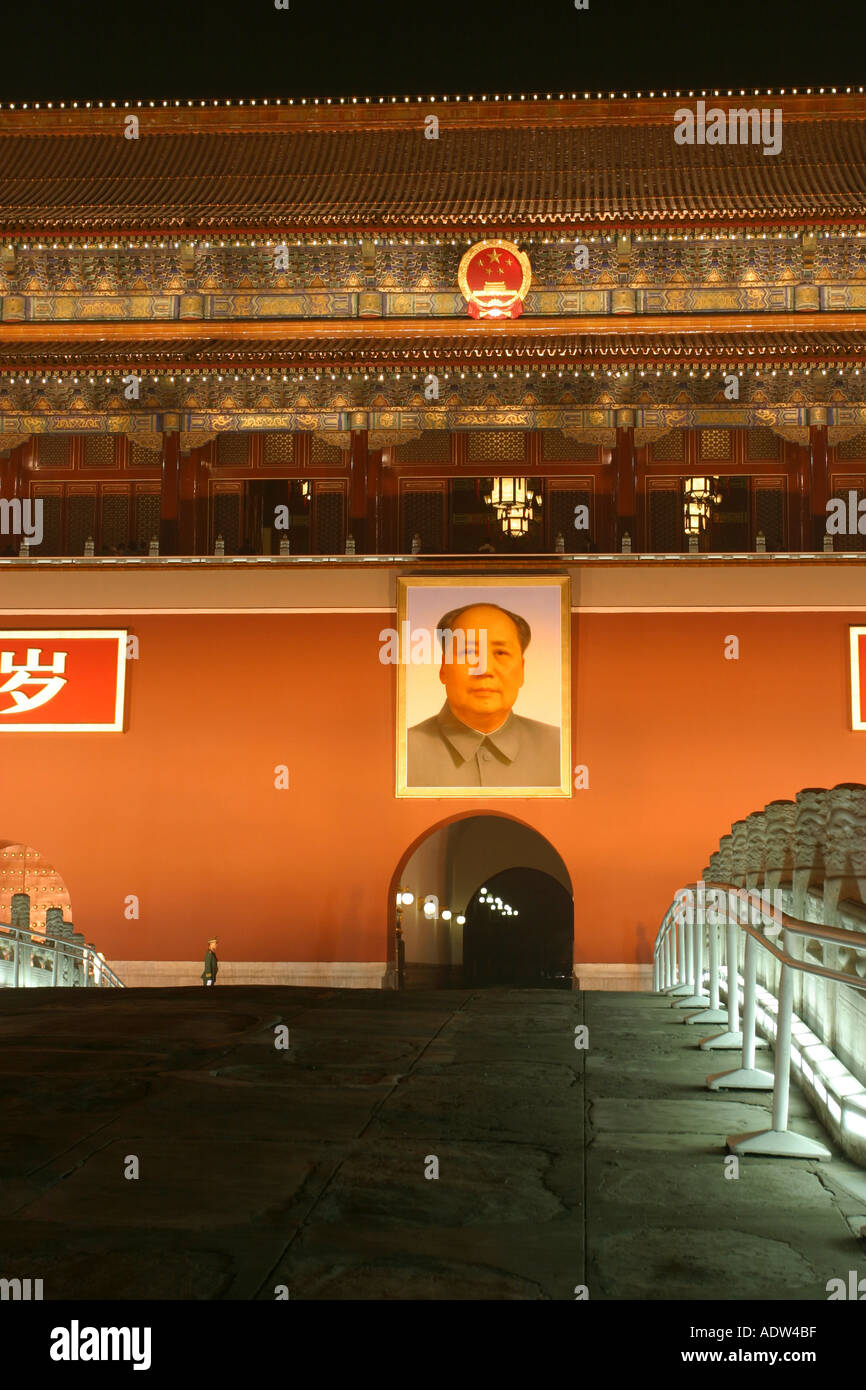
<point x="812" y="852"/>
<point x="755" y="848"/>
<point x="739" y="835"/>
<point x="29" y="960"/>
<point x="810" y="817"/>
<point x="778" y="846"/>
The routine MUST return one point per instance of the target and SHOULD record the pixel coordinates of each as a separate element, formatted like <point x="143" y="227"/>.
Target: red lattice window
<point x="496" y="446"/>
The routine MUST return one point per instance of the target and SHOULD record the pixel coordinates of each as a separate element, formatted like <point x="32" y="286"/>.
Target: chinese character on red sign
<point x="62" y="682"/>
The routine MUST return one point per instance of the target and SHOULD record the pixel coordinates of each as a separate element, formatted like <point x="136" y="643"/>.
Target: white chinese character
<point x="51" y="684"/>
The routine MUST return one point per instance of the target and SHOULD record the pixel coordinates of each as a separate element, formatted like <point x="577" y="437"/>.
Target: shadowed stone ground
<point x="305" y="1167"/>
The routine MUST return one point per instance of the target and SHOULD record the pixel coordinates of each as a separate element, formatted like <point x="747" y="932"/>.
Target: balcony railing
<point x="694" y="978"/>
<point x="30" y="961"/>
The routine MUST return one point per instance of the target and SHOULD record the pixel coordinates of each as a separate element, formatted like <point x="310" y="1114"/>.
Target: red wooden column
<point x="11" y="476"/>
<point x="374" y="501"/>
<point x="819" y="482"/>
<point x="169" y="503"/>
<point x="388" y="543"/>
<point x="186" y="503"/>
<point x="200" y="503"/>
<point x="624" y="488"/>
<point x="359" y="458"/>
<point x="801" y="514"/>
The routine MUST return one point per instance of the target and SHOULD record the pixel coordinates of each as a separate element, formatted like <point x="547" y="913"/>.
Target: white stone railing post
<point x="780" y="1142"/>
<point x="746" y="1077"/>
<point x="711" y="1014"/>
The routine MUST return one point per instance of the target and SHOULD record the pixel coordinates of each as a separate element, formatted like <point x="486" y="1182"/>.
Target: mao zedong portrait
<point x="476" y="739"/>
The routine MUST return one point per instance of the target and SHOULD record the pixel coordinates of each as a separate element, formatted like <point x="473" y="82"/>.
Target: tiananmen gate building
<point x="272" y="371"/>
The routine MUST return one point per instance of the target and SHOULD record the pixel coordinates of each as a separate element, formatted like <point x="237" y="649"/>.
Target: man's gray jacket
<point x="444" y="752"/>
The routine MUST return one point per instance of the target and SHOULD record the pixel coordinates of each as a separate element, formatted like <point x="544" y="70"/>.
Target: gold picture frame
<point x="528" y="741"/>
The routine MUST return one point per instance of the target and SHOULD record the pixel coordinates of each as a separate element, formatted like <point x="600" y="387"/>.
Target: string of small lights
<point x="578" y="233"/>
<point x="15" y="375"/>
<point x="229" y="102"/>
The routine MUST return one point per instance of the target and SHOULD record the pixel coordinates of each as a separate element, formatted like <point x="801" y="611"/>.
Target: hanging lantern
<point x="514" y="500"/>
<point x="509" y="492"/>
<point x="699" y="498"/>
<point x="515" y="521"/>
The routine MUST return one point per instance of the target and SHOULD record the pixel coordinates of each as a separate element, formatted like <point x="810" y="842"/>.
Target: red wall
<point x="181" y="810"/>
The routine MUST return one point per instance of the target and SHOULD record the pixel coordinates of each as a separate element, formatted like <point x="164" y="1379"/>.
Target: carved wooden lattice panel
<point x="716" y="445"/>
<point x="559" y="448"/>
<point x="561" y="503"/>
<point x="52" y="522"/>
<point x="146" y="516"/>
<point x="762" y="445"/>
<point x="434" y="446"/>
<point x="232" y="451"/>
<point x="53" y="450"/>
<point x="665" y="519"/>
<point x="329" y="519"/>
<point x="496" y="446"/>
<point x="139" y="457"/>
<point x="115" y="518"/>
<point x="80" y="521"/>
<point x="279" y="447"/>
<point x="853" y="448"/>
<point x="98" y="451"/>
<point x="323" y="452"/>
<point x="670" y="449"/>
<point x="770" y="518"/>
<point x="227" y="519"/>
<point x="422" y="512"/>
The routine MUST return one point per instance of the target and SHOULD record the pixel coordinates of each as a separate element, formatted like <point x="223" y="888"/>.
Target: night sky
<point x="112" y="49"/>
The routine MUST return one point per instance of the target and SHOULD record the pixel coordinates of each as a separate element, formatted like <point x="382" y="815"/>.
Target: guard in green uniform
<point x="211" y="964"/>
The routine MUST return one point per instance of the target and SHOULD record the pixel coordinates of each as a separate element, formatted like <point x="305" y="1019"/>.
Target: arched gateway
<point x="454" y="931"/>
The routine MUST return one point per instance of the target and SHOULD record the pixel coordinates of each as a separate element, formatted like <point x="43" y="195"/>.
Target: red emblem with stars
<point x="493" y="278"/>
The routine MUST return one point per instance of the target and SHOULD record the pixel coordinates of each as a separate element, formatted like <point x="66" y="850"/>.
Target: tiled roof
<point x="543" y="350"/>
<point x="500" y="167"/>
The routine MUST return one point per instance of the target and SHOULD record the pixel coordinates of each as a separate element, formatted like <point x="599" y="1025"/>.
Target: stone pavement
<point x="306" y="1167"/>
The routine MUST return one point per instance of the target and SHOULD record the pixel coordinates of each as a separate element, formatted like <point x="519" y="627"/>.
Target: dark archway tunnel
<point x="519" y="931"/>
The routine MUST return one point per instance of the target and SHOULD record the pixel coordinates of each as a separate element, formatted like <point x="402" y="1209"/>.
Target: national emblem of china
<point x="493" y="278"/>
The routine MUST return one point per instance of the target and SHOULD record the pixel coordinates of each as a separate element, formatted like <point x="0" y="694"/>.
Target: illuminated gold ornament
<point x="494" y="277"/>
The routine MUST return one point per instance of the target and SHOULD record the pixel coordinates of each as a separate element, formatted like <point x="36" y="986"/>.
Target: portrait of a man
<point x="483" y="735"/>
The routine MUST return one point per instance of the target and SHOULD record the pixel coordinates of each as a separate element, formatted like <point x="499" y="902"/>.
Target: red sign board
<point x="858" y="677"/>
<point x="62" y="681"/>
